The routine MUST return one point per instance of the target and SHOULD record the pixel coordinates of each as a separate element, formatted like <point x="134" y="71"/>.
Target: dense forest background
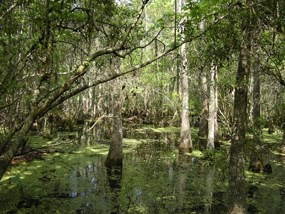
<point x="217" y="66"/>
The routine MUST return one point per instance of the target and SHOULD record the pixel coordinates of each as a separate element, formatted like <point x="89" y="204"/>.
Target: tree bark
<point x="255" y="163"/>
<point x="237" y="195"/>
<point x="186" y="141"/>
<point x="212" y="109"/>
<point x="115" y="154"/>
<point x="256" y="98"/>
<point x="13" y="143"/>
<point x="203" y="126"/>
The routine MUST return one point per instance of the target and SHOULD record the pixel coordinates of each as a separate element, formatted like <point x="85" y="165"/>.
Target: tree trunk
<point x="13" y="143"/>
<point x="212" y="109"/>
<point x="237" y="195"/>
<point x="217" y="137"/>
<point x="115" y="155"/>
<point x="203" y="126"/>
<point x="255" y="160"/>
<point x="18" y="137"/>
<point x="256" y="98"/>
<point x="186" y="141"/>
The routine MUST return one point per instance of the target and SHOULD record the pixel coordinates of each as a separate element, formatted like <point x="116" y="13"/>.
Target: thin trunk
<point x="250" y="105"/>
<point x="212" y="108"/>
<point x="176" y="10"/>
<point x="217" y="137"/>
<point x="203" y="126"/>
<point x="255" y="160"/>
<point x="178" y="77"/>
<point x="115" y="155"/>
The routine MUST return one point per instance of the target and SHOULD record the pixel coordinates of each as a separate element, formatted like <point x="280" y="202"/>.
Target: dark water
<point x="153" y="179"/>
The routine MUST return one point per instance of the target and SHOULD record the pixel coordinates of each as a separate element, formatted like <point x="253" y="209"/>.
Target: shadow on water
<point x="153" y="179"/>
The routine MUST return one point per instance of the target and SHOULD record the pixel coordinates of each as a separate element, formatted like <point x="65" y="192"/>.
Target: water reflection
<point x="153" y="179"/>
<point x="114" y="174"/>
<point x="236" y="190"/>
<point x="89" y="175"/>
<point x="183" y="165"/>
<point x="209" y="189"/>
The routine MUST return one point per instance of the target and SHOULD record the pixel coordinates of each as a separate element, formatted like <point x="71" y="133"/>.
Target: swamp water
<point x="153" y="179"/>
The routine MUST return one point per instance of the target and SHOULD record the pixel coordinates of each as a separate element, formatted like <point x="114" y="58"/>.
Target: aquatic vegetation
<point x="154" y="179"/>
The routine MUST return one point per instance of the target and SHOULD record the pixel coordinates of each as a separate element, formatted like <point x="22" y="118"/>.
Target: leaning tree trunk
<point x="17" y="140"/>
<point x="11" y="145"/>
<point x="186" y="141"/>
<point x="115" y="155"/>
<point x="237" y="196"/>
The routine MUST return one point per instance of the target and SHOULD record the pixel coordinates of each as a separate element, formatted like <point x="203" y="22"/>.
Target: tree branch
<point x="8" y="10"/>
<point x="134" y="24"/>
<point x="76" y="91"/>
<point x="140" y="47"/>
<point x="61" y="95"/>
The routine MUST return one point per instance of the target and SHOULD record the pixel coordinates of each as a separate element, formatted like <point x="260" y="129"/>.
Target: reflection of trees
<point x="86" y="183"/>
<point x="114" y="173"/>
<point x="209" y="189"/>
<point x="181" y="191"/>
<point x="183" y="162"/>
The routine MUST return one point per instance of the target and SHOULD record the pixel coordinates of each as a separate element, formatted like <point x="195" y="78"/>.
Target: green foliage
<point x="215" y="157"/>
<point x="16" y="180"/>
<point x="38" y="39"/>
